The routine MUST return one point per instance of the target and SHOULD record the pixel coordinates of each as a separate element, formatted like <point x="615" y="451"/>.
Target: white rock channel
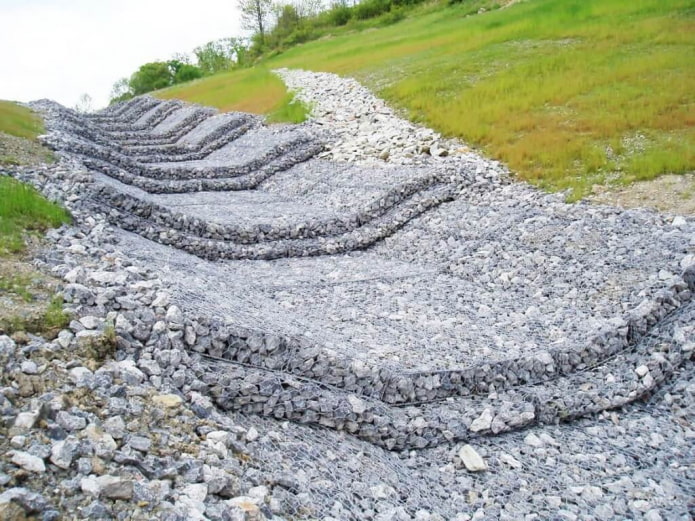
<point x="365" y="127"/>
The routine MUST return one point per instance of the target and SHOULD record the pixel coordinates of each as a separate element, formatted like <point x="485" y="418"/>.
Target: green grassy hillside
<point x="28" y="301"/>
<point x="568" y="93"/>
<point x="28" y="296"/>
<point x="23" y="209"/>
<point x="19" y="121"/>
<point x="254" y="90"/>
<point x="19" y="128"/>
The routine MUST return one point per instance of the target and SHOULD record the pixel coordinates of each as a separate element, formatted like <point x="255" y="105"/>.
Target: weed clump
<point x="45" y="321"/>
<point x="23" y="210"/>
<point x="100" y="346"/>
<point x="290" y="110"/>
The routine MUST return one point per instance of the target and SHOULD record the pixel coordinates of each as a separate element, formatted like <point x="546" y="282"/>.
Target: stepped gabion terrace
<point x="411" y="304"/>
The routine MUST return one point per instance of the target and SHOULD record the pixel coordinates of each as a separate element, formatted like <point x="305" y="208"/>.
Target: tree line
<point x="211" y="58"/>
<point x="274" y="26"/>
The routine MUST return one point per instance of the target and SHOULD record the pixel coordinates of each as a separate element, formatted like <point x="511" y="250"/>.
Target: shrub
<point x="371" y="8"/>
<point x="123" y="97"/>
<point x="99" y="348"/>
<point x="393" y="16"/>
<point x="149" y="77"/>
<point x="339" y="15"/>
<point x="406" y="2"/>
<point x="187" y="72"/>
<point x="299" y="35"/>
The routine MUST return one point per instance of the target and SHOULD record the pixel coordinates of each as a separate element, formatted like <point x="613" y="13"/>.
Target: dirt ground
<point x="25" y="296"/>
<point x="669" y="193"/>
<point x="19" y="151"/>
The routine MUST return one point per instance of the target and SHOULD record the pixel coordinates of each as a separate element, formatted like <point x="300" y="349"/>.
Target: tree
<point x="308" y="8"/>
<point x="154" y="76"/>
<point x="254" y="16"/>
<point x="287" y="20"/>
<point x="120" y="91"/>
<point x="182" y="57"/>
<point x="221" y="55"/>
<point x="149" y="77"/>
<point x="187" y="72"/>
<point x="239" y="50"/>
<point x="84" y="104"/>
<point x="183" y="71"/>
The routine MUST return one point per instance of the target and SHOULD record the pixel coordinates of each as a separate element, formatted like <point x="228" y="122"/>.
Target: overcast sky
<point x="61" y="49"/>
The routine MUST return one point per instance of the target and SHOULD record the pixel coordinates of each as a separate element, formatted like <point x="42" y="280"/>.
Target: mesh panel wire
<point x="326" y="474"/>
<point x="338" y="476"/>
<point x="597" y="466"/>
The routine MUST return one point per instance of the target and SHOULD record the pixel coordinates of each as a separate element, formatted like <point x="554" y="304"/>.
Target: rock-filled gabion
<point x="180" y="174"/>
<point x="290" y="377"/>
<point x="211" y="354"/>
<point x="142" y="436"/>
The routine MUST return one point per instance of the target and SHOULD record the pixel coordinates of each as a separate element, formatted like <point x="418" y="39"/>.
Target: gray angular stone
<point x="358" y="406"/>
<point x="28" y="462"/>
<point x="63" y="453"/>
<point x="65" y="338"/>
<point x="140" y="443"/>
<point x="7" y="346"/>
<point x="174" y="318"/>
<point x="162" y="300"/>
<point x="26" y="420"/>
<point x="483" y="422"/>
<point x="91" y="322"/>
<point x="31" y="502"/>
<point x="70" y="422"/>
<point x="129" y="372"/>
<point x="149" y="367"/>
<point x="108" y="486"/>
<point x="115" y="426"/>
<point x="471" y="459"/>
<point x="82" y="377"/>
<point x="119" y="489"/>
<point x="29" y="367"/>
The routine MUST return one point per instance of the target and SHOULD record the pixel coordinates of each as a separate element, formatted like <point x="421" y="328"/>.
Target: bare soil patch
<point x="27" y="299"/>
<point x="19" y="151"/>
<point x="668" y="193"/>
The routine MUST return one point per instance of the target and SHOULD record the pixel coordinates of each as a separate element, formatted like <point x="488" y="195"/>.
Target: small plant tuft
<point x="100" y="348"/>
<point x="47" y="322"/>
<point x="55" y="317"/>
<point x="23" y="210"/>
<point x="291" y="110"/>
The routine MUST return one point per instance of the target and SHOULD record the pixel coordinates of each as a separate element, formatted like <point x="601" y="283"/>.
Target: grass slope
<point x="254" y="90"/>
<point x="19" y="121"/>
<point x="19" y="128"/>
<point x="568" y="93"/>
<point x="27" y="297"/>
<point x="23" y="210"/>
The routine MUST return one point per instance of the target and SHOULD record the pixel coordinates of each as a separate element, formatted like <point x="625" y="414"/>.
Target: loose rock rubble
<point x="364" y="127"/>
<point x="170" y="393"/>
